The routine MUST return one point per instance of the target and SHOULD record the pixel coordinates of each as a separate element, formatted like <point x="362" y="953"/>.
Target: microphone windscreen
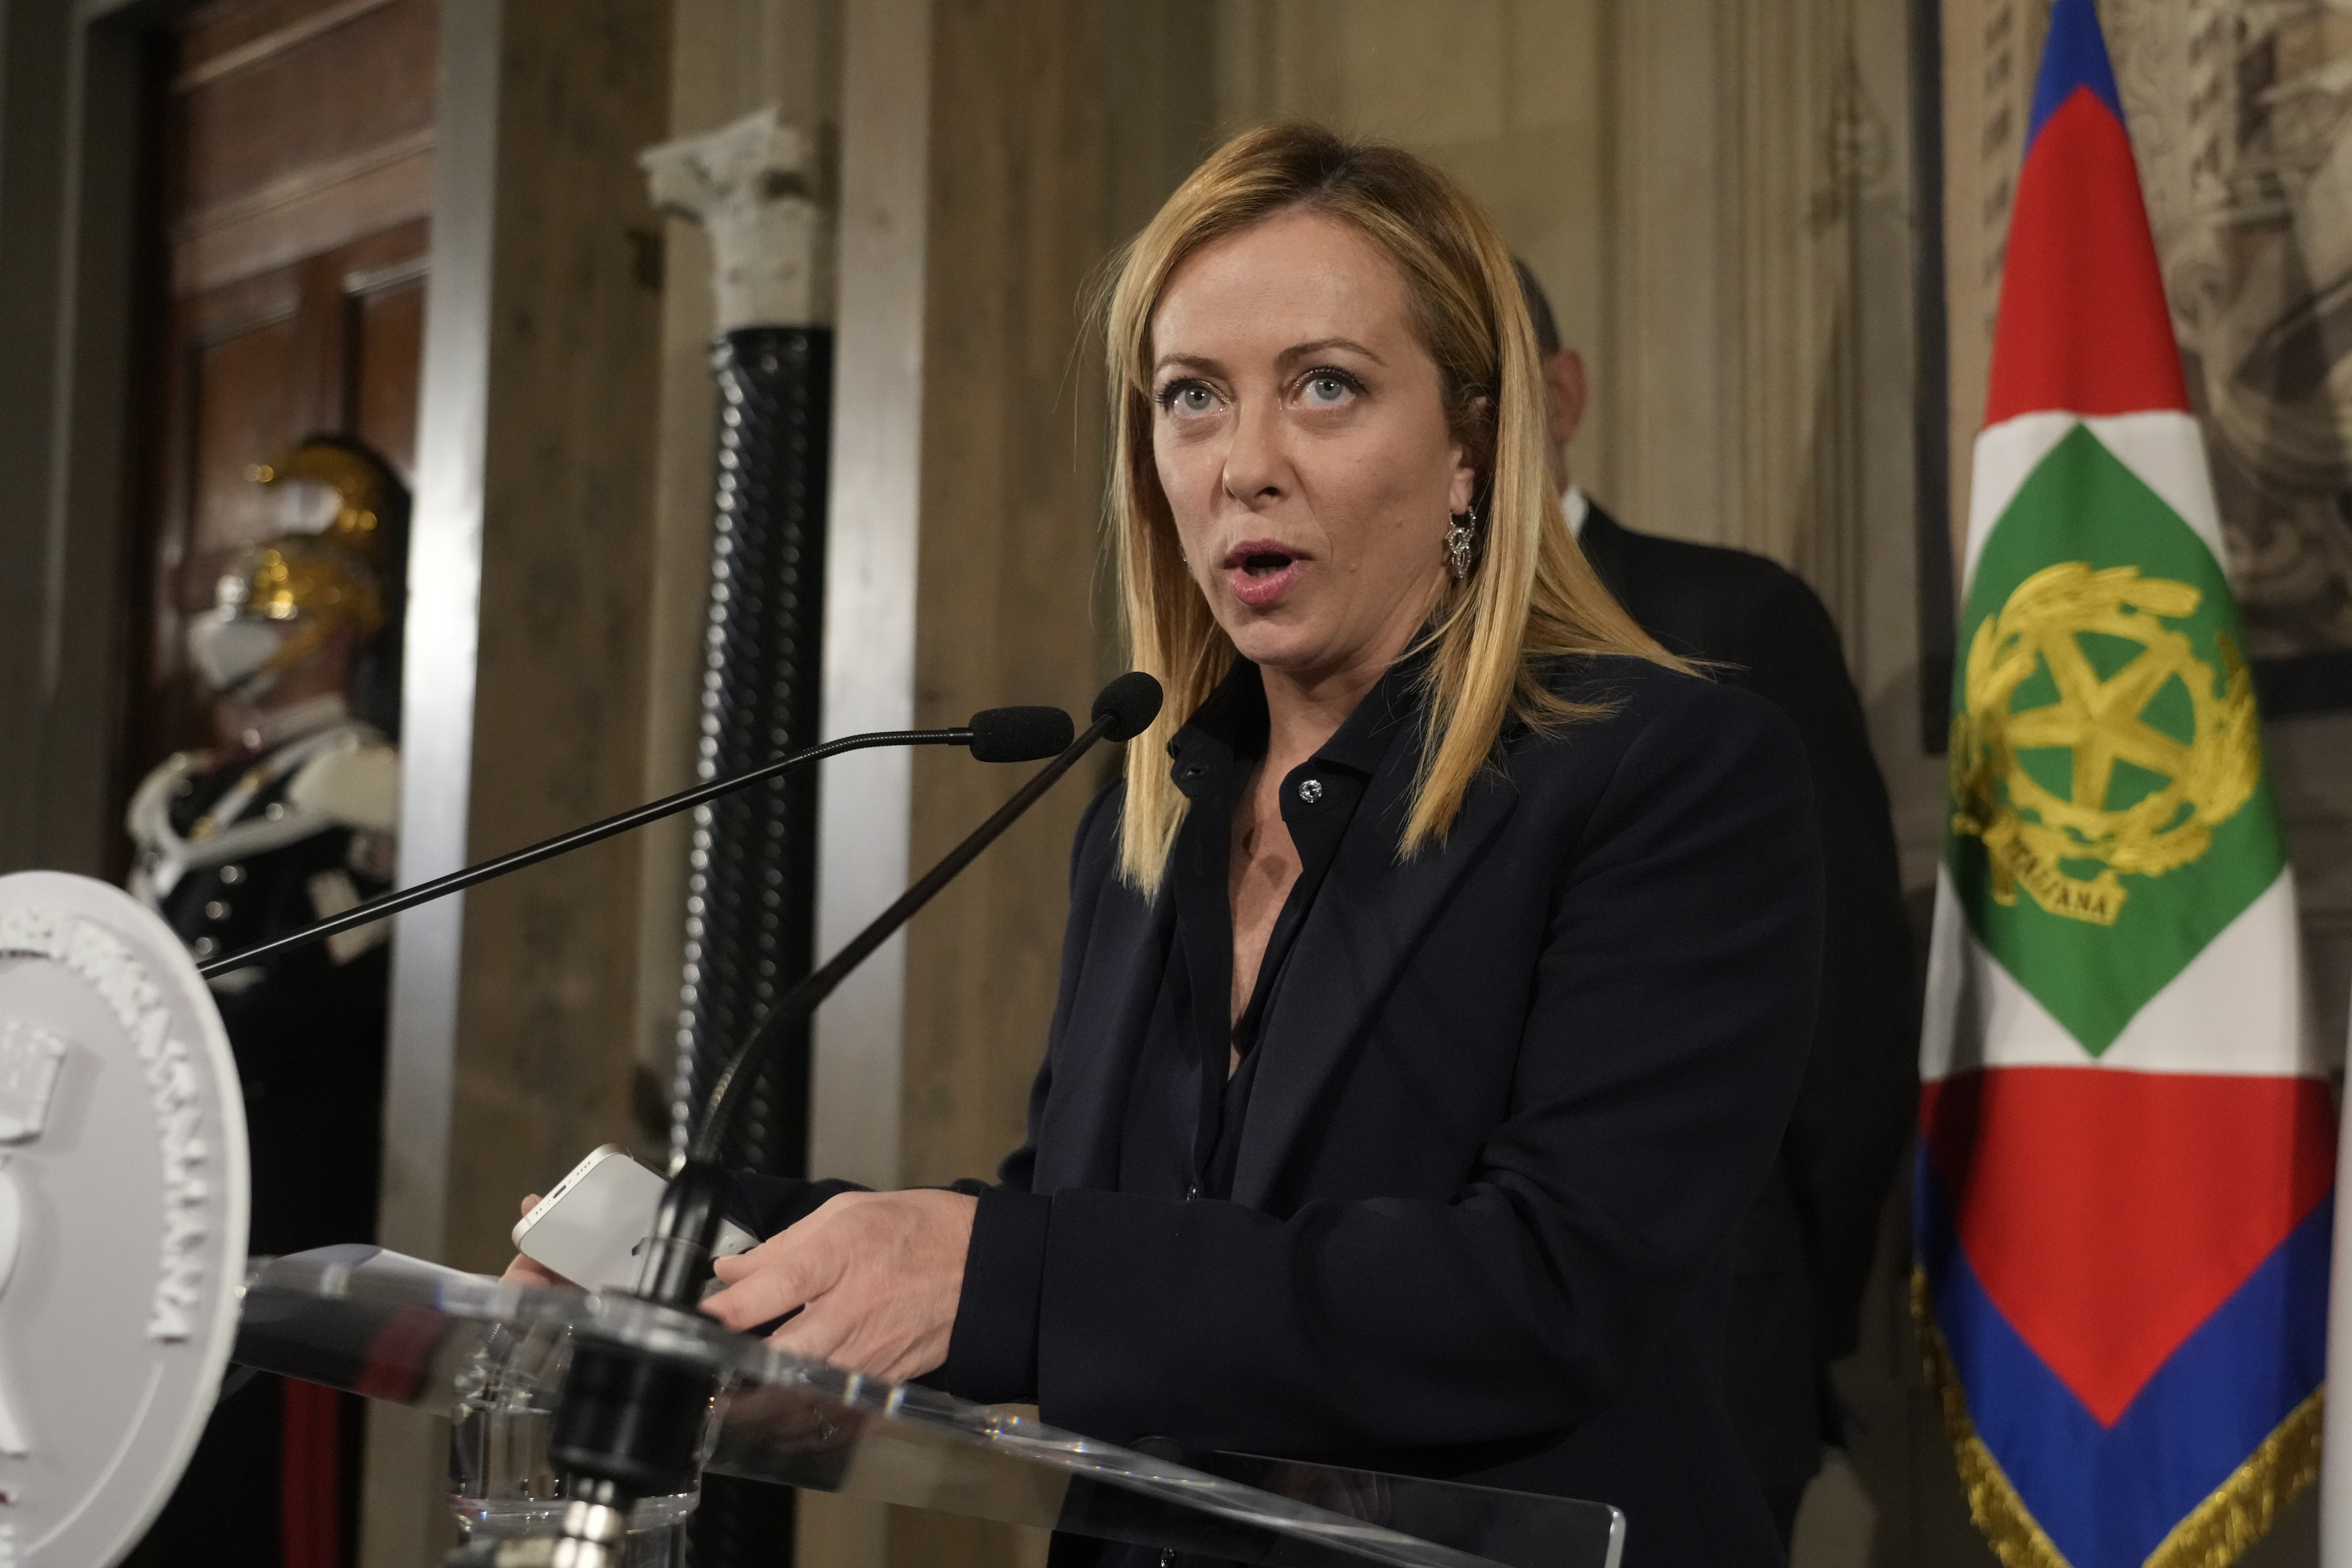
<point x="1019" y="734"/>
<point x="1130" y="703"/>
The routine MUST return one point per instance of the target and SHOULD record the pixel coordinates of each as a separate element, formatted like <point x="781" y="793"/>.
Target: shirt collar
<point x="1572" y="501"/>
<point x="1230" y="727"/>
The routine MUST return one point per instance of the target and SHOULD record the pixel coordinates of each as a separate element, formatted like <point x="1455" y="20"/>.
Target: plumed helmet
<point x="285" y="597"/>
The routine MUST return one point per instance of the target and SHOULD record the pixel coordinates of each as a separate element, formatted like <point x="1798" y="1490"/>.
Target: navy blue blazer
<point x="1515" y="1094"/>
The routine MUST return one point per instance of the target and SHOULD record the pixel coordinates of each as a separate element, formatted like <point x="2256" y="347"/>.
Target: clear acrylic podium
<point x="491" y="1357"/>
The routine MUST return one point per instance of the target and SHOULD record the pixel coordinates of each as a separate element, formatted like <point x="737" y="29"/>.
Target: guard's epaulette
<point x="356" y="785"/>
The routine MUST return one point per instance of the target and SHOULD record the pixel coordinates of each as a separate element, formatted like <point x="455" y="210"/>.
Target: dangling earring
<point x="1461" y="536"/>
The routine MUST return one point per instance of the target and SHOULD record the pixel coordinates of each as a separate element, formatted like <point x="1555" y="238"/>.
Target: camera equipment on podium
<point x="122" y="1223"/>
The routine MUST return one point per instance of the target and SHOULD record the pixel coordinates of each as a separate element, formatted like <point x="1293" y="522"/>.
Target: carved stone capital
<point x="750" y="186"/>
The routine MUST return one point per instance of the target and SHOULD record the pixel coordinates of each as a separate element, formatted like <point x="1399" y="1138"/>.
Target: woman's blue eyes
<point x="1190" y="397"/>
<point x="1321" y="388"/>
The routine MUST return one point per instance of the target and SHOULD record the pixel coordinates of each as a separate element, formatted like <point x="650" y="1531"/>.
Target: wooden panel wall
<point x="304" y="125"/>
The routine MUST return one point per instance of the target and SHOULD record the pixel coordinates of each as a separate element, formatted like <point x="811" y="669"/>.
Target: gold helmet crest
<point x="308" y="586"/>
<point x="332" y="576"/>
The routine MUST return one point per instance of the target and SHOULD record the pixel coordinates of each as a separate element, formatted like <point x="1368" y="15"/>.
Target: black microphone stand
<point x="995" y="735"/>
<point x="628" y="1422"/>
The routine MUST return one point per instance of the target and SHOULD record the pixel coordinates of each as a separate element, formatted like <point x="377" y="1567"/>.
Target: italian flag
<point x="2126" y="1172"/>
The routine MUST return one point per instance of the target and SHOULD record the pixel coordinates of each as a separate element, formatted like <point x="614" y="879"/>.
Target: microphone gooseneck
<point x="627" y="1422"/>
<point x="1019" y="734"/>
<point x="994" y="735"/>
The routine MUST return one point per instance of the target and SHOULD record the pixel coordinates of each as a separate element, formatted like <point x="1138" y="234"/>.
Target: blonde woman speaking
<point x="1438" y="980"/>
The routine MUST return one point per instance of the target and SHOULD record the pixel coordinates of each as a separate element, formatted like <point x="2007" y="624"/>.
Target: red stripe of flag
<point x="2108" y="1214"/>
<point x="2084" y="325"/>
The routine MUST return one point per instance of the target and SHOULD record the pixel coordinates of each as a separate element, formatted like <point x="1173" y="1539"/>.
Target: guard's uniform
<point x="235" y="848"/>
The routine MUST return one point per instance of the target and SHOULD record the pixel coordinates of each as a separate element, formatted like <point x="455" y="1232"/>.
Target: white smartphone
<point x="590" y="1227"/>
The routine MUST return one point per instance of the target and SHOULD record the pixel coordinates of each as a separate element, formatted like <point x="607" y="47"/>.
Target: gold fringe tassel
<point x="2243" y="1509"/>
<point x="2238" y="1513"/>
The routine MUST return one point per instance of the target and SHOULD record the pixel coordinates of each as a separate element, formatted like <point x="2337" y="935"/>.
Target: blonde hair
<point x="1530" y="597"/>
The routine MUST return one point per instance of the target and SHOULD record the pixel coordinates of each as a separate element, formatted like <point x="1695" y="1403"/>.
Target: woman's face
<point x="1301" y="439"/>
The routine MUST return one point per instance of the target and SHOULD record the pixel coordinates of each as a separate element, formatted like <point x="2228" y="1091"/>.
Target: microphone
<point x="994" y="735"/>
<point x="1126" y="707"/>
<point x="627" y="1422"/>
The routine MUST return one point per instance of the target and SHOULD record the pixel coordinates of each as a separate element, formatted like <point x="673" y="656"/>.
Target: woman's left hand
<point x="876" y="1276"/>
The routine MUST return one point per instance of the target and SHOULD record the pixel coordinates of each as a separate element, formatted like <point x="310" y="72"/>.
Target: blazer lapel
<point x="1093" y="1064"/>
<point x="1369" y="915"/>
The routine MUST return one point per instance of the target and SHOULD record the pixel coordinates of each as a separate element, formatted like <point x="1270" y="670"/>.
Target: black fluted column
<point x="751" y="894"/>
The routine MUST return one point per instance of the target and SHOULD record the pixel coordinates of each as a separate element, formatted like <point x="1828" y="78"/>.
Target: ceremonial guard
<point x="290" y="819"/>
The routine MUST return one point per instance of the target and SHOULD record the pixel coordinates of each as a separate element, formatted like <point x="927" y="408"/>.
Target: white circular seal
<point x="122" y="1217"/>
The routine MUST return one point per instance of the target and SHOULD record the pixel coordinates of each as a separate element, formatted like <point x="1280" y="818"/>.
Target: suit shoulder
<point x="1653" y="715"/>
<point x="1712" y="602"/>
<point x="1103" y="813"/>
<point x="1641" y="691"/>
<point x="1720" y="569"/>
<point x="1094" y="848"/>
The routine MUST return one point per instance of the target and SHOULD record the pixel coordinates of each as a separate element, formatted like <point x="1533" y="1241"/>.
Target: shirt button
<point x="217" y="911"/>
<point x="232" y="875"/>
<point x="1310" y="790"/>
<point x="205" y="947"/>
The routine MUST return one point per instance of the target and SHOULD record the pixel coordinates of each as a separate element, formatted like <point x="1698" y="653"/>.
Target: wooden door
<point x="296" y="181"/>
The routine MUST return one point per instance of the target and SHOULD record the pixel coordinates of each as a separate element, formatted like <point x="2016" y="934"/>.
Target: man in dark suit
<point x="1805" y="1248"/>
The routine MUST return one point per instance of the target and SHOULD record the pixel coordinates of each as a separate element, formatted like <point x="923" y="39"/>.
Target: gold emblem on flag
<point x="2040" y="839"/>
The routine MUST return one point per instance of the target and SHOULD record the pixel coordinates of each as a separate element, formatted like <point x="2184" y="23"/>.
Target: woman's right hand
<point x="527" y="1271"/>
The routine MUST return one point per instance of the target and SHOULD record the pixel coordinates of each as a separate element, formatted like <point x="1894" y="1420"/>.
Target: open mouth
<point x="1261" y="572"/>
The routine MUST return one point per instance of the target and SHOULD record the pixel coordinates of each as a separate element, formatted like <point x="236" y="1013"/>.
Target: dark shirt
<point x="1185" y="1114"/>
